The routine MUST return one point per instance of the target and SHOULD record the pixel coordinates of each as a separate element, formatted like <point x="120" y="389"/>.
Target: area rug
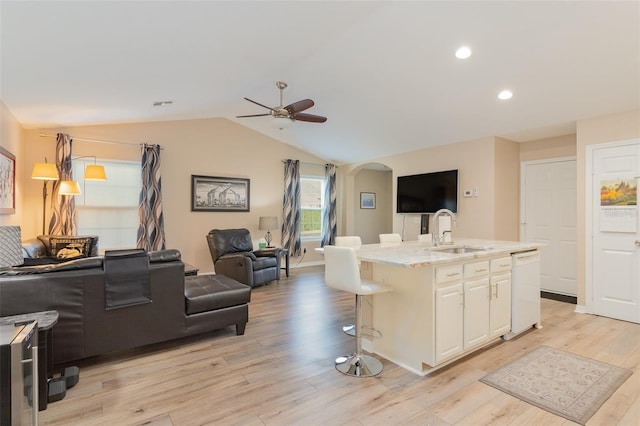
<point x="562" y="383"/>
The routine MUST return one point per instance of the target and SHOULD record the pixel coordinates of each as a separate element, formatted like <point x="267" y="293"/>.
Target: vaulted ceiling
<point x="383" y="72"/>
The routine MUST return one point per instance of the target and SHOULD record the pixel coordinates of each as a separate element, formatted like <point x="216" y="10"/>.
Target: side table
<point x="279" y="253"/>
<point x="190" y="270"/>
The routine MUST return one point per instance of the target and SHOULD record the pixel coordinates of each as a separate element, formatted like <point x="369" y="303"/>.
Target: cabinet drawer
<point x="476" y="269"/>
<point x="502" y="264"/>
<point x="445" y="274"/>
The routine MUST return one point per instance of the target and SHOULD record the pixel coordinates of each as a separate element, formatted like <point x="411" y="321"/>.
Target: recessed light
<point x="463" y="53"/>
<point x="162" y="103"/>
<point x="505" y="94"/>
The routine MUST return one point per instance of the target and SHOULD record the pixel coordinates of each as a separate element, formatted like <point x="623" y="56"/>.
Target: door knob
<point x="637" y="243"/>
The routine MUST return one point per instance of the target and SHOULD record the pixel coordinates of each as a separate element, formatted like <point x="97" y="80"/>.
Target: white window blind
<point x="109" y="209"/>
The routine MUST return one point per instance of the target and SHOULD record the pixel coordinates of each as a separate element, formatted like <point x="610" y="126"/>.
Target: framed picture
<point x="219" y="194"/>
<point x="367" y="200"/>
<point x="7" y="182"/>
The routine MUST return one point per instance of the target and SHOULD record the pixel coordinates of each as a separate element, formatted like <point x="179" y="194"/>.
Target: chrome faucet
<point x="437" y="239"/>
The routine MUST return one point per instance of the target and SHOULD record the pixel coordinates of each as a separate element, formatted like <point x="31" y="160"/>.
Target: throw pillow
<point x="81" y="244"/>
<point x="70" y="251"/>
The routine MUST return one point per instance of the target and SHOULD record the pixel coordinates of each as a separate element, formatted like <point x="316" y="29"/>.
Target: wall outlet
<point x="475" y="191"/>
<point x="468" y="193"/>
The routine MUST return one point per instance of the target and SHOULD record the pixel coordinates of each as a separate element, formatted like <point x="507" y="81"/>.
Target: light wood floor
<point x="281" y="373"/>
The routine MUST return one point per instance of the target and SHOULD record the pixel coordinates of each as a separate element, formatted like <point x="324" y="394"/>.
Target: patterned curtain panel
<point x="329" y="218"/>
<point x="63" y="207"/>
<point x="150" y="219"/>
<point x="291" y="208"/>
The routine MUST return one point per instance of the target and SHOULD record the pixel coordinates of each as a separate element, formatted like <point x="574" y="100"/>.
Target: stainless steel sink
<point x="458" y="250"/>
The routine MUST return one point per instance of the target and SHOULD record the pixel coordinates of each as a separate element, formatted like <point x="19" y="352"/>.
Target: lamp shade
<point x="44" y="171"/>
<point x="69" y="187"/>
<point x="94" y="172"/>
<point x="268" y="223"/>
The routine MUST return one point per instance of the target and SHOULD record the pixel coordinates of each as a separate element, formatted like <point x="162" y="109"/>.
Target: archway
<point x="370" y="201"/>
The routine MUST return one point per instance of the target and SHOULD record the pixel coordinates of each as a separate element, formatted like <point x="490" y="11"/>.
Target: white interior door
<point x="548" y="215"/>
<point x="615" y="229"/>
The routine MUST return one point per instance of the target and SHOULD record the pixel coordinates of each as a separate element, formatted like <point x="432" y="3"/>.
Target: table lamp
<point x="266" y="223"/>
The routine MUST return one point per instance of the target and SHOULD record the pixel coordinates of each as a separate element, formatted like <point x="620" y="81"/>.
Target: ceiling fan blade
<point x="252" y="115"/>
<point x="309" y="117"/>
<point x="259" y="104"/>
<point x="299" y="106"/>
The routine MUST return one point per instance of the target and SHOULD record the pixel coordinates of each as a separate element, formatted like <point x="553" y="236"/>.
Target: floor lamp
<point x="45" y="172"/>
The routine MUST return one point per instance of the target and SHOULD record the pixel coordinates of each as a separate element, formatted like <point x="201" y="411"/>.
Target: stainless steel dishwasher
<point x="525" y="292"/>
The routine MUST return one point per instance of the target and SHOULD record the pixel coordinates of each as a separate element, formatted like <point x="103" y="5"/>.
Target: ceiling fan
<point x="293" y="111"/>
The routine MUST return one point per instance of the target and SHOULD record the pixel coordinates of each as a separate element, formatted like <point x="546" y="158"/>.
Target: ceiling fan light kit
<point x="282" y="122"/>
<point x="285" y="116"/>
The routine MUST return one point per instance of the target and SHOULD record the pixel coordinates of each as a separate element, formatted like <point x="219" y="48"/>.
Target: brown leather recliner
<point x="232" y="255"/>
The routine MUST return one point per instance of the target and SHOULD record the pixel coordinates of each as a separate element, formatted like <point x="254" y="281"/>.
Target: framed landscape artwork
<point x="219" y="194"/>
<point x="7" y="182"/>
<point x="367" y="200"/>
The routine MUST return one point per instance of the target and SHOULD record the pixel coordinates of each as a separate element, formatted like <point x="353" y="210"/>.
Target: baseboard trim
<point x="559" y="297"/>
<point x="580" y="309"/>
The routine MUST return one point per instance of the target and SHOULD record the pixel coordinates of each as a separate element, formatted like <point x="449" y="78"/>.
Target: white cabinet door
<point x="476" y="312"/>
<point x="449" y="324"/>
<point x="500" y="305"/>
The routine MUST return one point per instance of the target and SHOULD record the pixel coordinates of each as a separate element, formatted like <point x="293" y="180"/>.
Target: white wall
<point x="11" y="139"/>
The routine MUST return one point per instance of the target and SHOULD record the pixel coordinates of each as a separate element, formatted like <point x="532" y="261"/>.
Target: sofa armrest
<point x="169" y="255"/>
<point x="33" y="248"/>
<point x="267" y="252"/>
<point x="238" y="266"/>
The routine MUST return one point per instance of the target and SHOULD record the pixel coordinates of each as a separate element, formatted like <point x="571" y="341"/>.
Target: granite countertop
<point x="415" y="254"/>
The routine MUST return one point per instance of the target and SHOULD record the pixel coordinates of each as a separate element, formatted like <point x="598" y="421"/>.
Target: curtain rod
<point x="43" y="135"/>
<point x="309" y="164"/>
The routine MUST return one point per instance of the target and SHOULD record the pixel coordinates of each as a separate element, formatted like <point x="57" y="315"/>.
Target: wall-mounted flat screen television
<point x="428" y="192"/>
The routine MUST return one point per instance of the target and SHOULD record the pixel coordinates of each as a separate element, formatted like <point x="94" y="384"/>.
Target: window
<point x="109" y="209"/>
<point x="311" y="203"/>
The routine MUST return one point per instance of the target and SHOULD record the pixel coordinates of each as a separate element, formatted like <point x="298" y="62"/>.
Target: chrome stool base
<point x="350" y="330"/>
<point x="358" y="366"/>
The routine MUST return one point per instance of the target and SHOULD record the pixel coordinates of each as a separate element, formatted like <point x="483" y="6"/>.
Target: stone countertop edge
<point x="415" y="254"/>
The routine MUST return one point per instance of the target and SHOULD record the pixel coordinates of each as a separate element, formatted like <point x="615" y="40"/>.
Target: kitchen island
<point x="447" y="302"/>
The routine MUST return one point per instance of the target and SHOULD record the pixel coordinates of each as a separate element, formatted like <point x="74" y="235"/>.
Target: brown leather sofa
<point x="180" y="306"/>
<point x="232" y="254"/>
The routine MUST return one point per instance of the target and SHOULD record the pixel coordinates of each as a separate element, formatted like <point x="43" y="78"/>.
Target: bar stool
<point x="354" y="242"/>
<point x="390" y="238"/>
<point x="341" y="272"/>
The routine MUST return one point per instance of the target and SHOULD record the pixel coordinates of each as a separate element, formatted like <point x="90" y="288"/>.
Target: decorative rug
<point x="562" y="383"/>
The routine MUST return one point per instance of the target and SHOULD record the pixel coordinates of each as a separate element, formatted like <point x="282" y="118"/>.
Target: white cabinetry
<point x="500" y="297"/>
<point x="449" y="325"/>
<point x="440" y="311"/>
<point x="472" y="305"/>
<point x="500" y="305"/>
<point x="476" y="303"/>
<point x="449" y="301"/>
<point x="476" y="312"/>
